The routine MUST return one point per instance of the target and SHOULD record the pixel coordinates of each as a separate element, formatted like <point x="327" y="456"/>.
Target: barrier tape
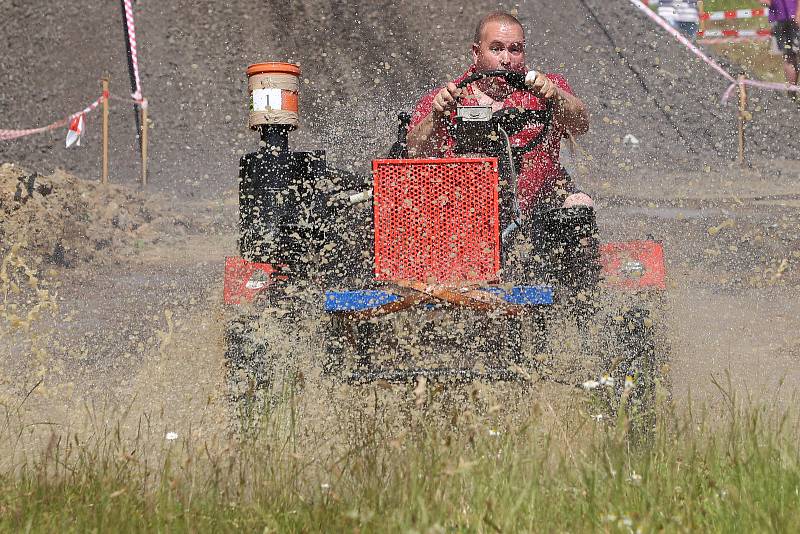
<point x="710" y="62"/>
<point x="733" y="14"/>
<point x="718" y="36"/>
<point x="137" y="95"/>
<point x="728" y="40"/>
<point x="731" y="36"/>
<point x="728" y="14"/>
<point x="7" y="135"/>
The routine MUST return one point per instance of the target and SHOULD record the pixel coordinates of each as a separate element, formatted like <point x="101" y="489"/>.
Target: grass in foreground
<point x="739" y="473"/>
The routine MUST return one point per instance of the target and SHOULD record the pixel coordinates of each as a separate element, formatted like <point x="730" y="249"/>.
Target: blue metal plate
<point x="524" y="295"/>
<point x="357" y="300"/>
<point x="368" y="299"/>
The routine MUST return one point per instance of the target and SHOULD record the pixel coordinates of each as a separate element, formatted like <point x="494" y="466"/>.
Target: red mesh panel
<point x="436" y="220"/>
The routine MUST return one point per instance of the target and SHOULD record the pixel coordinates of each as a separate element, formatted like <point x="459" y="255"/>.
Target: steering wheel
<point x="513" y="120"/>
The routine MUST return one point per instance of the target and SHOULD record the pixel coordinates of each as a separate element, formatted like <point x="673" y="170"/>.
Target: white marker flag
<point x="75" y="130"/>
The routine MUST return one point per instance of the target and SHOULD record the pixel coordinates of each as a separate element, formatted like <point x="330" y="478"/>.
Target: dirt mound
<point x="63" y="220"/>
<point x="362" y="63"/>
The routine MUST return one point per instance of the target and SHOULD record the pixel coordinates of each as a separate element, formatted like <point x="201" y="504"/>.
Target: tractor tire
<point x="640" y="370"/>
<point x="262" y="367"/>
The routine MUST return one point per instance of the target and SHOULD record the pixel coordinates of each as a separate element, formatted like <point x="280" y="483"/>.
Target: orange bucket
<point x="273" y="89"/>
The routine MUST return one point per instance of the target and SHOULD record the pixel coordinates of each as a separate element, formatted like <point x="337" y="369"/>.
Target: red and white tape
<point x="729" y="40"/>
<point x="7" y="135"/>
<point x="137" y="95"/>
<point x="733" y="14"/>
<point x="710" y="62"/>
<point x="715" y="36"/>
<point x="761" y="32"/>
<point x="718" y="36"/>
<point x="728" y="14"/>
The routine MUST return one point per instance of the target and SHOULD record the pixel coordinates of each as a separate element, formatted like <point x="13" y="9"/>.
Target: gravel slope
<point x="364" y="62"/>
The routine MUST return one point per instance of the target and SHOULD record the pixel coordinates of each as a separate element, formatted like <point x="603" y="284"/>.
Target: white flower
<point x="599" y="417"/>
<point x="325" y="486"/>
<point x="172" y="436"/>
<point x="605" y="380"/>
<point x="493" y="432"/>
<point x="635" y="478"/>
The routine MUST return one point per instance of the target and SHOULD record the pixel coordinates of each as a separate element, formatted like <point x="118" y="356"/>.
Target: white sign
<point x="266" y="99"/>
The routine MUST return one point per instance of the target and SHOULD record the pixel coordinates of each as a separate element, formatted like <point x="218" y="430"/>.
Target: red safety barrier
<point x="763" y="32"/>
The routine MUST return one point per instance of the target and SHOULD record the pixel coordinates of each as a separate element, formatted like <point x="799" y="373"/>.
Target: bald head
<point x="499" y="43"/>
<point x="499" y="17"/>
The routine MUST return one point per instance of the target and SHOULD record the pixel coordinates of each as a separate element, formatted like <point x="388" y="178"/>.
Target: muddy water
<point x="731" y="241"/>
<point x="143" y="340"/>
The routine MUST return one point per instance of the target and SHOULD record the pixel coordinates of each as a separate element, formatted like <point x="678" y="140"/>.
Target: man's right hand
<point x="425" y="138"/>
<point x="445" y="100"/>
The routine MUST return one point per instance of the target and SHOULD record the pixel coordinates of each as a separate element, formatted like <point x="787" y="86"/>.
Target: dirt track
<point x="364" y="63"/>
<point x="731" y="307"/>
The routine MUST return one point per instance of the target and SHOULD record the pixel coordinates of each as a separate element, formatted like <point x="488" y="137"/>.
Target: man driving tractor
<point x="499" y="45"/>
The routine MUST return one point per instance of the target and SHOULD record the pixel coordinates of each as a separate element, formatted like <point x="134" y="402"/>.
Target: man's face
<point x="502" y="47"/>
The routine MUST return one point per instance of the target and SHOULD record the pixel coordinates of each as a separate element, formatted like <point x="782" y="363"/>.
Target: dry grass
<point x="737" y="470"/>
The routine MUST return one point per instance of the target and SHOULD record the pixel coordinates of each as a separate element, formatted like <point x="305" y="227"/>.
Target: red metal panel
<point x="245" y="279"/>
<point x="633" y="264"/>
<point x="436" y="220"/>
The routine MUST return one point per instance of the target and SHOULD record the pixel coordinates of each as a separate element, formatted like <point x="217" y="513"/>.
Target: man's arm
<point x="425" y="138"/>
<point x="570" y="111"/>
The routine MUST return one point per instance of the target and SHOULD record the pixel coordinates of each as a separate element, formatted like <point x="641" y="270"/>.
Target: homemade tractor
<point x="428" y="270"/>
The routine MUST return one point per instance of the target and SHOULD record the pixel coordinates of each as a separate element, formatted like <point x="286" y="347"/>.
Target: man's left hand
<point x="541" y="86"/>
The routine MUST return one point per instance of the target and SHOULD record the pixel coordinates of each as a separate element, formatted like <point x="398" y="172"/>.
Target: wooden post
<point x="104" y="177"/>
<point x="701" y="12"/>
<point x="144" y="142"/>
<point x="742" y="116"/>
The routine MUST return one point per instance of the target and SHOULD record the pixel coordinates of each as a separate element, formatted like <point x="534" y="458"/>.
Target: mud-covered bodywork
<point x="428" y="270"/>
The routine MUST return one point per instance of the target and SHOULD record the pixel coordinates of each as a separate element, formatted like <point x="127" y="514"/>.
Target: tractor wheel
<point x="335" y="344"/>
<point x="262" y="371"/>
<point x="639" y="369"/>
<point x="353" y="349"/>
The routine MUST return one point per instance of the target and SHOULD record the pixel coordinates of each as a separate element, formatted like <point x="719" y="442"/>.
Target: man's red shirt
<point x="540" y="167"/>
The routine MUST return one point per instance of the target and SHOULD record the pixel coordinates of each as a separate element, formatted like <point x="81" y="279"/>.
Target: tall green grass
<point x="737" y="469"/>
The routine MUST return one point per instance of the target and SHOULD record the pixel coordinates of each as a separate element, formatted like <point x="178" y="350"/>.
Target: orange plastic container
<point x="274" y="89"/>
